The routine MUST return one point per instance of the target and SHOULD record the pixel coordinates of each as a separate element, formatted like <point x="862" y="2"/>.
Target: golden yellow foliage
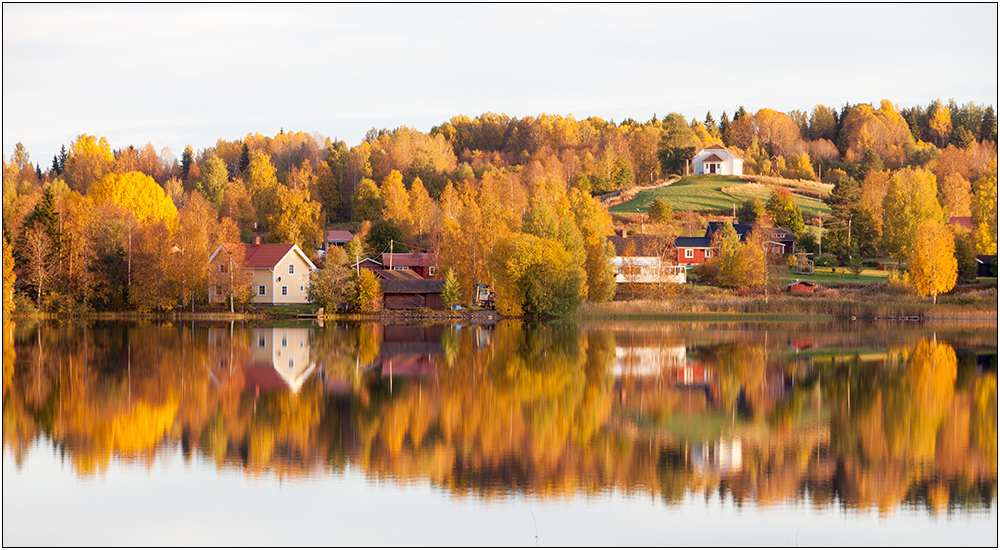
<point x="933" y="267"/>
<point x="139" y="194"/>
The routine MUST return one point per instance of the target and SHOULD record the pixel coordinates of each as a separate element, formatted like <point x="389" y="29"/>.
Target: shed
<point x="412" y="293"/>
<point x="801" y="287"/>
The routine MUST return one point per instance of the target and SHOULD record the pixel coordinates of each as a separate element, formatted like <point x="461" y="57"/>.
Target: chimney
<point x="624" y="233"/>
<point x="256" y="240"/>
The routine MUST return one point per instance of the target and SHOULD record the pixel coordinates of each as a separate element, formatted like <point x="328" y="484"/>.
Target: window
<point x="432" y="271"/>
<point x="689" y="253"/>
<point x="284" y="290"/>
<point x="284" y="340"/>
<point x="260" y="341"/>
<point x="400" y="268"/>
<point x="218" y="291"/>
<point x="222" y="268"/>
<point x="261" y="290"/>
<point x="291" y="269"/>
<point x="291" y="363"/>
<point x="302" y="288"/>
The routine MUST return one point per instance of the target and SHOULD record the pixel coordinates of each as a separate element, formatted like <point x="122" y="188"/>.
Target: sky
<point x="179" y="74"/>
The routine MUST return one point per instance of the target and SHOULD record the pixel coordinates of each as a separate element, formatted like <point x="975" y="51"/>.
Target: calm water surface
<point x="595" y="434"/>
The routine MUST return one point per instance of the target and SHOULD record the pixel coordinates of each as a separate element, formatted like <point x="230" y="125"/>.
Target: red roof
<point x="263" y="377"/>
<point x="961" y="221"/>
<point x="409" y="260"/>
<point x="261" y="255"/>
<point x="339" y="236"/>
<point x="265" y="255"/>
<point x="713" y="158"/>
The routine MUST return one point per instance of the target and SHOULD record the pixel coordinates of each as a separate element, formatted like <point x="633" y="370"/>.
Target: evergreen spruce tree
<point x="988" y="128"/>
<point x="245" y="159"/>
<point x="725" y="130"/>
<point x="187" y="158"/>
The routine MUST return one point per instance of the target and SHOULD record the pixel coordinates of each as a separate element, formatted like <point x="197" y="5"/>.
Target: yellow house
<point x="276" y="273"/>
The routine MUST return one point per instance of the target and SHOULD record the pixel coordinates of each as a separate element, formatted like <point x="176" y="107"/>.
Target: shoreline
<point x="683" y="306"/>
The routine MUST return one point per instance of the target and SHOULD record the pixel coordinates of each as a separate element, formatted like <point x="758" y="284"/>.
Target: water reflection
<point x="869" y="418"/>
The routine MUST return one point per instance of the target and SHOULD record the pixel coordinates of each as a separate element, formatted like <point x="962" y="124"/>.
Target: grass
<point x="287" y="309"/>
<point x="873" y="301"/>
<point x="827" y="276"/>
<point x="705" y="193"/>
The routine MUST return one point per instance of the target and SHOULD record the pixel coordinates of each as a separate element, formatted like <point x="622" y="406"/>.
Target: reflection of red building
<point x="411" y="350"/>
<point x="799" y="343"/>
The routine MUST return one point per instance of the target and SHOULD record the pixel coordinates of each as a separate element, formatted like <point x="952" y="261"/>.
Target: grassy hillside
<point x="713" y="193"/>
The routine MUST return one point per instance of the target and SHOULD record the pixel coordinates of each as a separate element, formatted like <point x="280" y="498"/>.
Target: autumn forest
<point x="130" y="226"/>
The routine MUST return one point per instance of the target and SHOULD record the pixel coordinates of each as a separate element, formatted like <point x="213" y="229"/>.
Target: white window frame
<point x="689" y="253"/>
<point x="284" y="290"/>
<point x="291" y="269"/>
<point x="261" y="290"/>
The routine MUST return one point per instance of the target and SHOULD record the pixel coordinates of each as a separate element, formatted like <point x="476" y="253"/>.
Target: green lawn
<point x="289" y="309"/>
<point x="827" y="276"/>
<point x="704" y="193"/>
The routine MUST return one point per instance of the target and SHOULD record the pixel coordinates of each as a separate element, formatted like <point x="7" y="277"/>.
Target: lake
<point x="513" y="434"/>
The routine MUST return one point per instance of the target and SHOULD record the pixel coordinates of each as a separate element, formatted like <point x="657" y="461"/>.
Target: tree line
<point x="504" y="200"/>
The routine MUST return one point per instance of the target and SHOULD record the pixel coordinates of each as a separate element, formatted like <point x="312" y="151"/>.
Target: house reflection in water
<point x="411" y="351"/>
<point x="718" y="457"/>
<point x="280" y="359"/>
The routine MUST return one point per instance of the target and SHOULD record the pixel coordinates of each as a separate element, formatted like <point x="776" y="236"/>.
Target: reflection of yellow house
<point x="279" y="273"/>
<point x="286" y="350"/>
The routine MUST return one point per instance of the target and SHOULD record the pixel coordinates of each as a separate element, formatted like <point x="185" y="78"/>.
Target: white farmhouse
<point x="716" y="159"/>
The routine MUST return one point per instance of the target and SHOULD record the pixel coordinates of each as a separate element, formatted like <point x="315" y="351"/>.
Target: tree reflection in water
<point x="760" y="415"/>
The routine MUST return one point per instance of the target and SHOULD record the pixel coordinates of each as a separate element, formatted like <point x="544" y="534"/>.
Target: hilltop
<point x="718" y="194"/>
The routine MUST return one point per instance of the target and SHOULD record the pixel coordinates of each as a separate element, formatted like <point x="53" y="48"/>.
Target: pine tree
<point x="725" y="130"/>
<point x="187" y="158"/>
<point x="63" y="157"/>
<point x="46" y="215"/>
<point x="988" y="128"/>
<point x="710" y="124"/>
<point x="245" y="159"/>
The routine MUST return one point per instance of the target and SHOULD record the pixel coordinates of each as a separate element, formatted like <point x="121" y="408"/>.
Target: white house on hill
<point x="716" y="159"/>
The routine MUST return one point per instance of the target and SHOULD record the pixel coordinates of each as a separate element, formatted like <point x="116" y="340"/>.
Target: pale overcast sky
<point x="178" y="74"/>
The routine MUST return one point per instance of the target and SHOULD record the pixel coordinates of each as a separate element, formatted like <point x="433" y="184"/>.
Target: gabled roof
<point x="780" y="234"/>
<point x="741" y="229"/>
<point x="713" y="158"/>
<point x="693" y="242"/>
<point x="397" y="275"/>
<point x="339" y="236"/>
<point x="264" y="255"/>
<point x="720" y="148"/>
<point x="645" y="245"/>
<point x="410" y="259"/>
<point x="367" y="263"/>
